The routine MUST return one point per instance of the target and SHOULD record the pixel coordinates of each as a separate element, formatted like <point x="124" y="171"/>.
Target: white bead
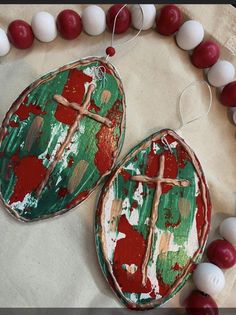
<point x="190" y="35"/>
<point x="228" y="226"/>
<point x="94" y="20"/>
<point x="209" y="278"/>
<point x="4" y="43"/>
<point x="149" y="14"/>
<point x="221" y="73"/>
<point x="44" y="26"/>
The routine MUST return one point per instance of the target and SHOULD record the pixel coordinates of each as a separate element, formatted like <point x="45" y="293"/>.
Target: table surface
<point x="53" y="263"/>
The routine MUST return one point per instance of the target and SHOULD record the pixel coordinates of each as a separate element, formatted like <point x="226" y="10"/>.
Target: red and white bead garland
<point x="205" y="54"/>
<point x="208" y="276"/>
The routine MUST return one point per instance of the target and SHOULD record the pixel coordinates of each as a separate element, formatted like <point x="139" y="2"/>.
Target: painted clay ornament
<point x="60" y="138"/>
<point x="152" y="221"/>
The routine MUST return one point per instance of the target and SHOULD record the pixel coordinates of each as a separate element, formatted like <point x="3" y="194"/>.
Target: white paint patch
<point x="21" y="205"/>
<point x="191" y="245"/>
<point x="81" y="128"/>
<point x="138" y="194"/>
<point x="133" y="297"/>
<point x="173" y="145"/>
<point x="110" y="237"/>
<point x="152" y="268"/>
<point x="145" y="296"/>
<point x="134" y="217"/>
<point x="58" y="180"/>
<point x="132" y="268"/>
<point x="92" y="72"/>
<point x="131" y="216"/>
<point x="173" y="247"/>
<point x="125" y="206"/>
<point x="130" y="167"/>
<point x="155" y="147"/>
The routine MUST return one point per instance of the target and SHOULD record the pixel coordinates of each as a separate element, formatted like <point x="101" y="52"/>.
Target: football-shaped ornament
<point x="152" y="221"/>
<point x="60" y="138"/>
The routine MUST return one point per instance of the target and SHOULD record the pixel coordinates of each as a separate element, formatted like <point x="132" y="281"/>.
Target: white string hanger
<point x="180" y="105"/>
<point x="114" y="27"/>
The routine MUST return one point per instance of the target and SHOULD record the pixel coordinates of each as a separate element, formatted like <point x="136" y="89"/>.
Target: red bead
<point x="169" y="20"/>
<point x="69" y="24"/>
<point x="222" y="254"/>
<point x="199" y="303"/>
<point x="110" y="51"/>
<point x="205" y="54"/>
<point x="228" y="95"/>
<point x="123" y="20"/>
<point x="20" y="34"/>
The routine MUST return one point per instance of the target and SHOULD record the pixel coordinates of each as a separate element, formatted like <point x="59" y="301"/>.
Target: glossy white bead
<point x="44" y="26"/>
<point x="94" y="20"/>
<point x="228" y="229"/>
<point x="209" y="278"/>
<point x="149" y="15"/>
<point x="221" y="73"/>
<point x="190" y="35"/>
<point x="4" y="43"/>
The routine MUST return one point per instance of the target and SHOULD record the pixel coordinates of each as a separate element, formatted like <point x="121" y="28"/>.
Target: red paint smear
<point x="126" y="175"/>
<point x="134" y="204"/>
<point x="176" y="267"/>
<point x="23" y="111"/>
<point x="62" y="192"/>
<point x="169" y="224"/>
<point x="153" y="163"/>
<point x="77" y="199"/>
<point x="74" y="92"/>
<point x="107" y="140"/>
<point x="30" y="172"/>
<point x="93" y="106"/>
<point x="71" y="162"/>
<point x="182" y="156"/>
<point x="130" y="250"/>
<point x="200" y="217"/>
<point x="163" y="287"/>
<point x="13" y="124"/>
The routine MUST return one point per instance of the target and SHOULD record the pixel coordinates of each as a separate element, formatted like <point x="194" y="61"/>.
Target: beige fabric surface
<point x="53" y="263"/>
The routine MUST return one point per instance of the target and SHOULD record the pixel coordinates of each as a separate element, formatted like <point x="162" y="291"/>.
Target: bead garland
<point x="208" y="276"/>
<point x="93" y="20"/>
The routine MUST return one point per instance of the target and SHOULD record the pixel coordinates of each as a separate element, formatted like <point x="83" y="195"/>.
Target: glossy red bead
<point x="199" y="303"/>
<point x="20" y="34"/>
<point x="169" y="20"/>
<point x="110" y="51"/>
<point x="205" y="54"/>
<point x="69" y="24"/>
<point x="228" y="95"/>
<point x="222" y="254"/>
<point x="123" y="20"/>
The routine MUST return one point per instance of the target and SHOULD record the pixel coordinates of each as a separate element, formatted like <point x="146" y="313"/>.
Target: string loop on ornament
<point x="182" y="122"/>
<point x="114" y="26"/>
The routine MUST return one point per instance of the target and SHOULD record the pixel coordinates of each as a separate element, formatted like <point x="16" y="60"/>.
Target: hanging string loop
<point x="184" y="123"/>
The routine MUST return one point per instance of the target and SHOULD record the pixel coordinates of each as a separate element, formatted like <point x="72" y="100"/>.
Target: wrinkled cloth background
<point x="53" y="263"/>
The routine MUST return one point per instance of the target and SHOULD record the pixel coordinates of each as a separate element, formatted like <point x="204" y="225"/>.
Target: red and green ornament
<point x="60" y="138"/>
<point x="152" y="221"/>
